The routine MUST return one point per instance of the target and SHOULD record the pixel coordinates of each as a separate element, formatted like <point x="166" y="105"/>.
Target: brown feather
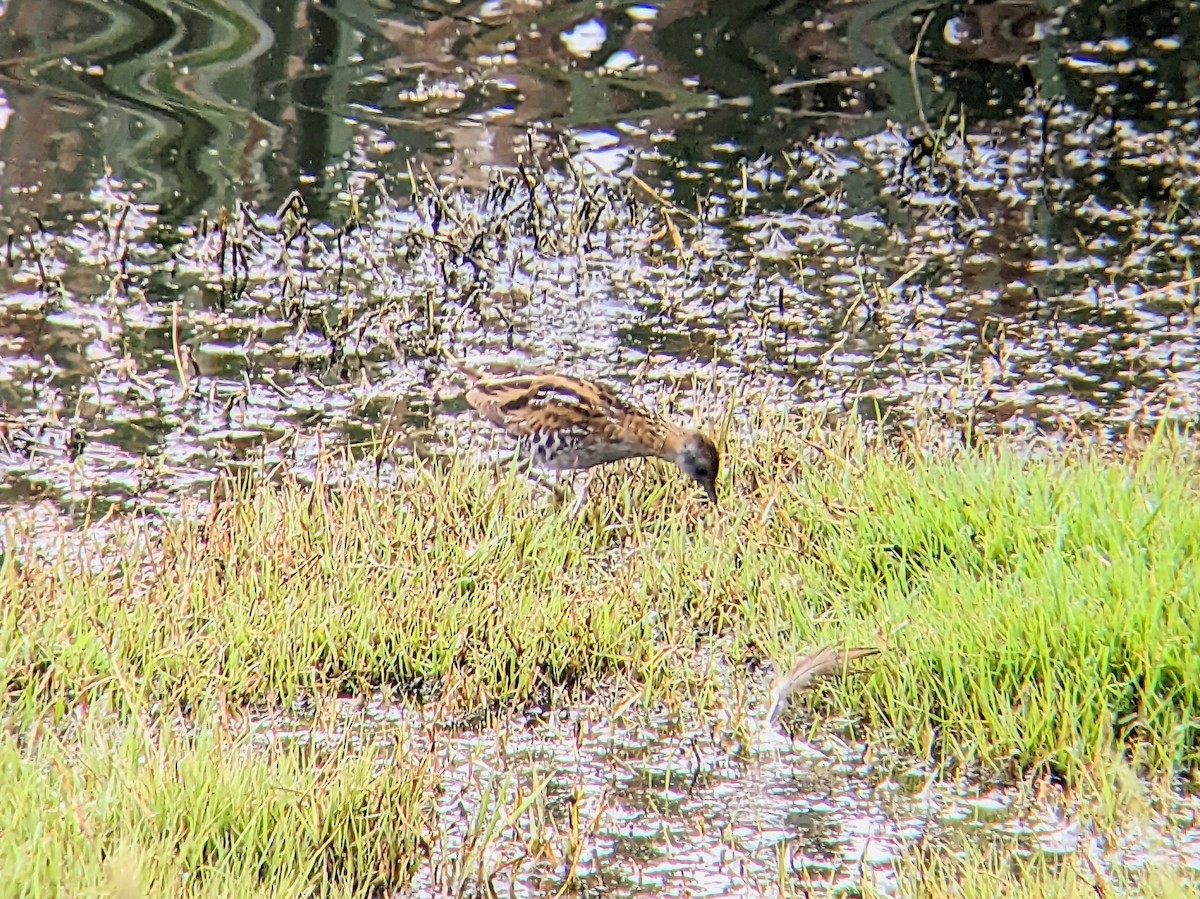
<point x="563" y="422"/>
<point x="811" y="667"/>
<point x="541" y="405"/>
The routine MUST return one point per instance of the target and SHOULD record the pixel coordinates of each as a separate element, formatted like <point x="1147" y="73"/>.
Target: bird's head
<point x="697" y="457"/>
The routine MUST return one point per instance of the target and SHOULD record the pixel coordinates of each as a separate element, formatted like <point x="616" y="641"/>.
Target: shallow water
<point x="138" y="372"/>
<point x="672" y="807"/>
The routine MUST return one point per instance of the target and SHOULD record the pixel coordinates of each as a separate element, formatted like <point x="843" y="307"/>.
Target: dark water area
<point x="987" y="210"/>
<point x="200" y="105"/>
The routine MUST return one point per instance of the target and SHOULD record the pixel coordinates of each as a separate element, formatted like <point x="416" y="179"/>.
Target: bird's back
<point x="566" y="422"/>
<point x="529" y="404"/>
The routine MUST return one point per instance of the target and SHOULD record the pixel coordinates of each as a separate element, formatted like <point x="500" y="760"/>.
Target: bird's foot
<point x="581" y="495"/>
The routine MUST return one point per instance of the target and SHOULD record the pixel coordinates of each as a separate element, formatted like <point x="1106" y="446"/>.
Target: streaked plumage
<point x="562" y="423"/>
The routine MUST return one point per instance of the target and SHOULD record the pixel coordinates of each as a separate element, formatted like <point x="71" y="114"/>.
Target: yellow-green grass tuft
<point x="107" y="810"/>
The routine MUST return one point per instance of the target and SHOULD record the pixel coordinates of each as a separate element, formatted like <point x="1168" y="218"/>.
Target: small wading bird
<point x="562" y="423"/>
<point x="808" y="669"/>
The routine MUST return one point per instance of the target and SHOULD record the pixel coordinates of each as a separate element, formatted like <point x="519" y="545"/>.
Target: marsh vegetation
<point x="269" y="628"/>
<point x="279" y="674"/>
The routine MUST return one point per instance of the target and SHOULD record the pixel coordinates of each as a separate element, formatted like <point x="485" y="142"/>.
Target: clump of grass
<point x="1044" y="604"/>
<point x="995" y="873"/>
<point x="1037" y="607"/>
<point x="169" y="813"/>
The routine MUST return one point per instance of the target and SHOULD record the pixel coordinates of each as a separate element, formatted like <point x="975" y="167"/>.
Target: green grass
<point x="1048" y="605"/>
<point x="1037" y="611"/>
<point x="1036" y="608"/>
<point x="126" y="811"/>
<point x="975" y="874"/>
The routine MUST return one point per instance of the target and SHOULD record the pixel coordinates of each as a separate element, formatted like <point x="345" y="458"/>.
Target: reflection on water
<point x="200" y="104"/>
<point x="665" y="808"/>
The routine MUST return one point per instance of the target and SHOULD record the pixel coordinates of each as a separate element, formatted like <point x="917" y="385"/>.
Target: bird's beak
<point x="710" y="487"/>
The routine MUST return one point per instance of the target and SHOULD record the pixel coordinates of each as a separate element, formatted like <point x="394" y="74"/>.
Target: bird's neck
<point x="655" y="437"/>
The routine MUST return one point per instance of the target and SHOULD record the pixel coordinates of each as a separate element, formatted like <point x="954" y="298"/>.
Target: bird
<point x="810" y="668"/>
<point x="564" y="423"/>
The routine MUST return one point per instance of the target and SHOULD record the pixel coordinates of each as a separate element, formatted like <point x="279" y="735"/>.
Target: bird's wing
<point x="545" y="404"/>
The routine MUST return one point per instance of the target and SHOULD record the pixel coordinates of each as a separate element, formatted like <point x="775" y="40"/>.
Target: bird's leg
<point x="581" y="493"/>
<point x="503" y="459"/>
<point x="498" y="458"/>
<point x="554" y="485"/>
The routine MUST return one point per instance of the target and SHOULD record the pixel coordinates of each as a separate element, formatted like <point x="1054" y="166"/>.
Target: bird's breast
<point x="576" y="448"/>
